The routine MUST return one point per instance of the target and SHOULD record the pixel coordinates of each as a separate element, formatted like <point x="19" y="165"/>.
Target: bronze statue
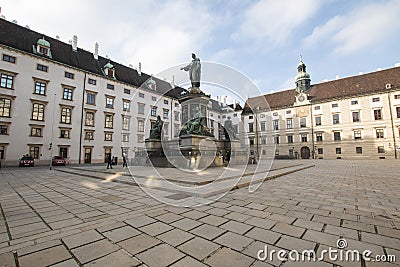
<point x="155" y="132"/>
<point x="194" y="69"/>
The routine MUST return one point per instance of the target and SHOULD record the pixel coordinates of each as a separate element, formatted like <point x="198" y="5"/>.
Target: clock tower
<point x="303" y="84"/>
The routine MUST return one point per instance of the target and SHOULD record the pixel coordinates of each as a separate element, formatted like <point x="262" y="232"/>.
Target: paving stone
<point x="263" y="223"/>
<point x="237" y="227"/>
<point x="234" y="241"/>
<point x="253" y="250"/>
<point x="65" y="223"/>
<point x="281" y="218"/>
<point x="138" y="243"/>
<point x="188" y="261"/>
<point x="186" y="224"/>
<point x="169" y="217"/>
<point x="121" y="233"/>
<point x="326" y="220"/>
<point x="67" y="263"/>
<point x="292" y="243"/>
<point x="161" y="255"/>
<point x="15" y="231"/>
<point x="228" y="257"/>
<point x="83" y="238"/>
<point x="309" y="224"/>
<point x="341" y="231"/>
<point x="118" y="258"/>
<point x="198" y="248"/>
<point x="155" y="228"/>
<point x="322" y="238"/>
<point x="110" y="226"/>
<point x="175" y="237"/>
<point x="388" y="231"/>
<point x="359" y="226"/>
<point x="45" y="257"/>
<point x="140" y="221"/>
<point x="264" y="235"/>
<point x="7" y="260"/>
<point x="94" y="250"/>
<point x="381" y="240"/>
<point x="194" y="214"/>
<point x="38" y="247"/>
<point x="237" y="216"/>
<point x="288" y="229"/>
<point x="208" y="231"/>
<point x="213" y="220"/>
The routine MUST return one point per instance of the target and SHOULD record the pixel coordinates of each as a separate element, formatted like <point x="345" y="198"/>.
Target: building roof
<point x="366" y="84"/>
<point x="23" y="39"/>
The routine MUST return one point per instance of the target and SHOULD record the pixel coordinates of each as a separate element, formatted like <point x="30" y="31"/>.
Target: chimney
<point x="57" y="37"/>
<point x="75" y="43"/>
<point x="173" y="81"/>
<point x="140" y="69"/>
<point x="96" y="51"/>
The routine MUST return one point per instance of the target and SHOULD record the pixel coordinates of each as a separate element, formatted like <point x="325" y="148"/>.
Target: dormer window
<point x="42" y="47"/>
<point x="151" y="83"/>
<point x="109" y="70"/>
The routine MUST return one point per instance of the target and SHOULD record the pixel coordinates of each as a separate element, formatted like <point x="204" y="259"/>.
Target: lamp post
<point x="52" y="133"/>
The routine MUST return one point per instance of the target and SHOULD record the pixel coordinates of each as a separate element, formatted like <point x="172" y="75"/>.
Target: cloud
<point x="275" y="20"/>
<point x="362" y="28"/>
<point x="157" y="33"/>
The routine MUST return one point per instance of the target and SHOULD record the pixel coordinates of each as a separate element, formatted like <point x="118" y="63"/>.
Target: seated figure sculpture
<point x="196" y="125"/>
<point x="155" y="132"/>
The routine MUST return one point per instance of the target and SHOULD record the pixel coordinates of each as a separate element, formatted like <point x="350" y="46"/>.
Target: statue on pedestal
<point x="229" y="130"/>
<point x="194" y="69"/>
<point x="155" y="132"/>
<point x="197" y="125"/>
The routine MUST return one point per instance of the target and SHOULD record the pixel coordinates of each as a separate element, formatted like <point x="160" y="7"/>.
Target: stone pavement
<point x="53" y="218"/>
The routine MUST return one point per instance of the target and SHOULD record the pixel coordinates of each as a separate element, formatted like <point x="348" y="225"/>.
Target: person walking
<point x="124" y="163"/>
<point x="109" y="161"/>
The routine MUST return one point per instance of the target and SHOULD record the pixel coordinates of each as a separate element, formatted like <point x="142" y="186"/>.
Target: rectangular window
<point x="335" y="105"/>
<point x="91" y="98"/>
<point x="38" y="112"/>
<point x="108" y="136"/>
<point x="89" y="135"/>
<point x="109" y="120"/>
<point x="6" y="81"/>
<point x="290" y="138"/>
<point x="140" y="138"/>
<point x="5" y="107"/>
<point x="92" y="81"/>
<point x="336" y="136"/>
<point x="141" y="95"/>
<point x="42" y="67"/>
<point x="398" y="112"/>
<point x="109" y="102"/>
<point x="125" y="138"/>
<point x="8" y="58"/>
<point x="165" y="128"/>
<point x="356" y="116"/>
<point x="335" y="118"/>
<point x="275" y="124"/>
<point x="289" y="124"/>
<point x="140" y="126"/>
<point x="63" y="152"/>
<point x="36" y="131"/>
<point x="89" y="118"/>
<point x="153" y="98"/>
<point x="69" y="75"/>
<point x="165" y="113"/>
<point x="67" y="94"/>
<point x="318" y="121"/>
<point x="288" y="112"/>
<point x="140" y="108"/>
<point x="303" y="122"/>
<point x="378" y="114"/>
<point x="320" y="151"/>
<point x="304" y="138"/>
<point x="381" y="149"/>
<point x="359" y="150"/>
<point x="354" y="102"/>
<point x="317" y="107"/>
<point x="338" y="150"/>
<point x="40" y="88"/>
<point x="153" y="111"/>
<point x="251" y="140"/>
<point x="126" y="121"/>
<point x="396" y="96"/>
<point x="176" y="115"/>
<point x="43" y="50"/>
<point x="262" y="126"/>
<point x="166" y="102"/>
<point x="66" y="115"/>
<point x="65" y="133"/>
<point x="251" y="127"/>
<point x="34" y="152"/>
<point x="357" y="134"/>
<point x="380" y="133"/>
<point x="276" y="139"/>
<point x="110" y="86"/>
<point x="126" y="105"/>
<point x="319" y="137"/>
<point x="3" y="129"/>
<point x="127" y="91"/>
<point x="376" y="99"/>
<point x="263" y="140"/>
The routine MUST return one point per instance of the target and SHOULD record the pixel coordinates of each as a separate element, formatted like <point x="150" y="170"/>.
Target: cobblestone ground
<point x="52" y="218"/>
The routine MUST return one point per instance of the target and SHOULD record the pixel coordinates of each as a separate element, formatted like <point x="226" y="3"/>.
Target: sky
<point x="262" y="39"/>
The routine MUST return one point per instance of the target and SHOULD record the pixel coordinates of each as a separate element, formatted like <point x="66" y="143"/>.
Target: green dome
<point x="43" y="42"/>
<point x="108" y="66"/>
<point x="302" y="75"/>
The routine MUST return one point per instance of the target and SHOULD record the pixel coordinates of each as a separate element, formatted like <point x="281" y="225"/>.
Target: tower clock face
<point x="301" y="98"/>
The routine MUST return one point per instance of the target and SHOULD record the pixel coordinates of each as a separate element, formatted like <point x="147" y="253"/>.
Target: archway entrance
<point x="305" y="152"/>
